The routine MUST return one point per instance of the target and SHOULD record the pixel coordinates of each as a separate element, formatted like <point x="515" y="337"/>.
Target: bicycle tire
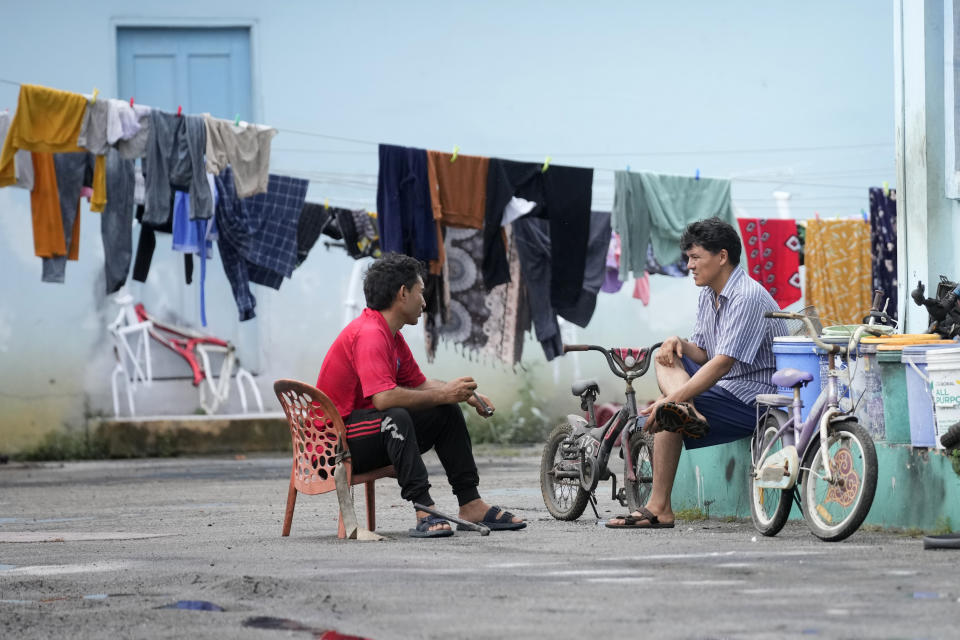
<point x="769" y="508"/>
<point x="861" y="474"/>
<point x="640" y="447"/>
<point x="564" y="500"/>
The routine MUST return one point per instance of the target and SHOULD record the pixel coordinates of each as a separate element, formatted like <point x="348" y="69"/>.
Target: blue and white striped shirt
<point x="737" y="328"/>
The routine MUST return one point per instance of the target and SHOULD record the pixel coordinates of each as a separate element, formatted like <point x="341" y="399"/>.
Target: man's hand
<point x="651" y="426"/>
<point x="472" y="401"/>
<point x="459" y="390"/>
<point x="670" y="351"/>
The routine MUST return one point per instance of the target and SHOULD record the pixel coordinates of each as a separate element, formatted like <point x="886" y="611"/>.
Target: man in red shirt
<point x="392" y="412"/>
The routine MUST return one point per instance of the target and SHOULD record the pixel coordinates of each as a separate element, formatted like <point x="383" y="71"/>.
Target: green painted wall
<point x="916" y="488"/>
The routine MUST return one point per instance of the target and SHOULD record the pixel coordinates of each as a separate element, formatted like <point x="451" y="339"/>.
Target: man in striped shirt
<point x="708" y="383"/>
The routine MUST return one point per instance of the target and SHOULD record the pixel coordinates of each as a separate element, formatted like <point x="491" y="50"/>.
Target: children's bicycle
<point x="829" y="456"/>
<point x="575" y="458"/>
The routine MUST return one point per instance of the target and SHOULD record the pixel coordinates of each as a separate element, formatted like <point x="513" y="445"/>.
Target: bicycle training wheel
<point x="834" y="510"/>
<point x="641" y="454"/>
<point x="769" y="508"/>
<point x="564" y="497"/>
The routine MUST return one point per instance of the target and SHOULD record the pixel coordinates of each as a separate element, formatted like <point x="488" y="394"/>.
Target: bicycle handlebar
<point x="617" y="361"/>
<point x="833" y="348"/>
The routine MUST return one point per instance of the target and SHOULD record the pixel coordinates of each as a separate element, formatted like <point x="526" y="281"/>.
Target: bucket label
<point x="946" y="396"/>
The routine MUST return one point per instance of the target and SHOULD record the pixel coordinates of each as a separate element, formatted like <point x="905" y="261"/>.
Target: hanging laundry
<point x="581" y="312"/>
<point x="245" y="148"/>
<point x="641" y="288"/>
<point x="70" y="169"/>
<point x="516" y="208"/>
<point x="838" y="270"/>
<point x="258" y="235"/>
<point x="772" y="252"/>
<point x="611" y="280"/>
<point x="23" y="163"/>
<point x="563" y="196"/>
<point x="404" y="209"/>
<point x="485" y="325"/>
<point x="660" y="207"/>
<point x="46" y="120"/>
<point x="532" y="235"/>
<point x="135" y="146"/>
<point x="105" y="123"/>
<point x="509" y="317"/>
<point x="458" y="189"/>
<point x="631" y="222"/>
<point x="193" y="237"/>
<point x="48" y="237"/>
<point x="147" y="242"/>
<point x="314" y="220"/>
<point x="883" y="241"/>
<point x="161" y="148"/>
<point x="187" y="169"/>
<point x="117" y="219"/>
<point x="677" y="269"/>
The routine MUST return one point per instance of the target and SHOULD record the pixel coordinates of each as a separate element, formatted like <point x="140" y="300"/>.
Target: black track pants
<point x="399" y="436"/>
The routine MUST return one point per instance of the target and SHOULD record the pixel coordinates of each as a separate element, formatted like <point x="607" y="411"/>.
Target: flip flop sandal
<point x="679" y="418"/>
<point x="631" y="521"/>
<point x="498" y="519"/>
<point x="423" y="528"/>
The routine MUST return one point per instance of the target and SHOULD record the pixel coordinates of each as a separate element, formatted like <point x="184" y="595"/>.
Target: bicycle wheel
<point x="834" y="510"/>
<point x="564" y="497"/>
<point x="641" y="453"/>
<point x="769" y="508"/>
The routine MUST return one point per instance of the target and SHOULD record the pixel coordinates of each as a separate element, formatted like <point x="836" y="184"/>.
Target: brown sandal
<point x="678" y="417"/>
<point x="631" y="521"/>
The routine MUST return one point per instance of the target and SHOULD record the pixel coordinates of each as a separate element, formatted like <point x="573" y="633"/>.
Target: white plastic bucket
<point x="943" y="369"/>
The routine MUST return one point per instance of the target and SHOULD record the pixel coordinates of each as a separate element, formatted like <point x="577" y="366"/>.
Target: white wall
<point x="777" y="95"/>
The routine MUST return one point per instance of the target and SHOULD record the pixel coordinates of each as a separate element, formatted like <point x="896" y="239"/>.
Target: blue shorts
<point x="729" y="417"/>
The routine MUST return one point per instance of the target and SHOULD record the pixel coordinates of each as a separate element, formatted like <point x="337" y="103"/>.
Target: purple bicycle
<point x="829" y="457"/>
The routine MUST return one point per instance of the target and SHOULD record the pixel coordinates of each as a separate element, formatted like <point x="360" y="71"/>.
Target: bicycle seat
<point x="580" y="387"/>
<point x="791" y="378"/>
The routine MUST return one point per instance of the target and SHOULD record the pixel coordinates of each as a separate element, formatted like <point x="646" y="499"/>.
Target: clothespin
<point x="236" y="121"/>
<point x="456" y="152"/>
<point x="886" y="189"/>
<point x="628" y="168"/>
<point x="131" y="101"/>
<point x="816" y="214"/>
<point x="179" y="110"/>
<point x="546" y="164"/>
<point x="864" y="214"/>
<point x="96" y="92"/>
<point x="326" y="203"/>
<point x="696" y="176"/>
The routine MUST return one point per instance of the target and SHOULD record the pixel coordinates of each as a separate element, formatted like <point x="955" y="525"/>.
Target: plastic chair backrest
<point x="318" y="434"/>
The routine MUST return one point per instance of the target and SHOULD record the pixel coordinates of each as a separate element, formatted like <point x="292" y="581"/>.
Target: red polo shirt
<point x="365" y="359"/>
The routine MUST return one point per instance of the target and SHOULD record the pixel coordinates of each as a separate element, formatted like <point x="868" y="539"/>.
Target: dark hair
<point x="713" y="234"/>
<point x="386" y="275"/>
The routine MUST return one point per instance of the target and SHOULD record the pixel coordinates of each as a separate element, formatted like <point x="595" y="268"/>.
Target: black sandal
<point x="423" y="528"/>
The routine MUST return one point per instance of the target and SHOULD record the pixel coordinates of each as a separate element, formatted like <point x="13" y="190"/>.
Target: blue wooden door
<point x="204" y="71"/>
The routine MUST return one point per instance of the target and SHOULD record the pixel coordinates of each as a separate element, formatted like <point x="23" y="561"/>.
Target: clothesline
<point x="609" y="154"/>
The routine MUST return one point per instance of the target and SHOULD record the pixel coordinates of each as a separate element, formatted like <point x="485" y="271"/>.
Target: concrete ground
<point x="99" y="549"/>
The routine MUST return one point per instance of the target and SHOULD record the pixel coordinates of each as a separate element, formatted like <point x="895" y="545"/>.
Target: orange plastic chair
<point x="318" y="435"/>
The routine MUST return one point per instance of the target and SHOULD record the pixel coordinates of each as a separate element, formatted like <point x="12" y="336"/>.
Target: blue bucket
<point x="802" y="354"/>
